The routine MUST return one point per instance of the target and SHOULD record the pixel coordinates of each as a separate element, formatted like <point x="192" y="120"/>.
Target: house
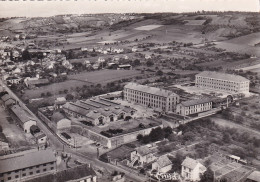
<point x="192" y="169"/>
<point x="16" y="71"/>
<point x="23" y="118"/>
<point x="101" y="60"/>
<point x="253" y="177"/>
<point x="147" y="56"/>
<point x="20" y="166"/>
<point x="162" y="164"/>
<point x="118" y="154"/>
<point x="118" y="177"/>
<point x="60" y="122"/>
<point x="134" y="49"/>
<point x="59" y="102"/>
<point x="67" y="64"/>
<point x="40" y="138"/>
<point x="194" y="106"/>
<point x="4" y="145"/>
<point x="83" y="173"/>
<point x="141" y="156"/>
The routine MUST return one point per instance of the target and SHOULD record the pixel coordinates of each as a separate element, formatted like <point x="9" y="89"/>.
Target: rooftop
<point x="190" y="163"/>
<point x="6" y="97"/>
<point x="150" y="90"/>
<point x="222" y="76"/>
<point x="21" y="114"/>
<point x="143" y="150"/>
<point x="121" y="152"/>
<point x="26" y="160"/>
<point x="71" y="174"/>
<point x="254" y="176"/>
<point x="196" y="102"/>
<point x="57" y="116"/>
<point x="163" y="161"/>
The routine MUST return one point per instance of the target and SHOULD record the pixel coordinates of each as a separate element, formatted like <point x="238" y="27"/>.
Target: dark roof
<point x="36" y="82"/>
<point x="57" y="116"/>
<point x="120" y="153"/>
<point x="196" y="102"/>
<point x="9" y="102"/>
<point x="39" y="135"/>
<point x="3" y="138"/>
<point x="6" y="97"/>
<point x="26" y="160"/>
<point x="67" y="175"/>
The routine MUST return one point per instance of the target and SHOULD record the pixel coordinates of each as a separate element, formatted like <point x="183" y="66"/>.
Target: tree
<point x="157" y="134"/>
<point x="159" y="73"/>
<point x="26" y="55"/>
<point x="136" y="62"/>
<point x="139" y="137"/>
<point x="208" y="176"/>
<point x="69" y="97"/>
<point x="149" y="63"/>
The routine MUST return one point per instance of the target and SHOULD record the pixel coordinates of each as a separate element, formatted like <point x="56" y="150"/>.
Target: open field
<point x="104" y="76"/>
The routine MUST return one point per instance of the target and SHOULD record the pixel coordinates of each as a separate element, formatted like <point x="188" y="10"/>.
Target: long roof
<point x="26" y="160"/>
<point x="148" y="89"/>
<point x="196" y="102"/>
<point x="71" y="174"/>
<point x="21" y="114"/>
<point x="143" y="150"/>
<point x="222" y="76"/>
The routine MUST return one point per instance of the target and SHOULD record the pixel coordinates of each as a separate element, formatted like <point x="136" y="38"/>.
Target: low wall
<point x="113" y="141"/>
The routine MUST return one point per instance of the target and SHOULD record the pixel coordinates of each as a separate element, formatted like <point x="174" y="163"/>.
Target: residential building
<point x="192" y="169"/>
<point x="4" y="145"/>
<point x="19" y="166"/>
<point x="59" y="102"/>
<point x="23" y="118"/>
<point x="162" y="164"/>
<point x="98" y="111"/>
<point x="157" y="98"/>
<point x="222" y="82"/>
<point x="83" y="173"/>
<point x="118" y="154"/>
<point x="253" y="177"/>
<point x="40" y="138"/>
<point x="194" y="106"/>
<point x="141" y="156"/>
<point x="32" y="83"/>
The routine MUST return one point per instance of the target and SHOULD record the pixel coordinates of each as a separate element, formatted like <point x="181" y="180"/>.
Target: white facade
<point x="63" y="124"/>
<point x="193" y="107"/>
<point x="222" y="82"/>
<point x="27" y="125"/>
<point x="192" y="169"/>
<point x="159" y="99"/>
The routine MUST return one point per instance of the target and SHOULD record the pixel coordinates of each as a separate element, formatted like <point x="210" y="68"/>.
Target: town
<point x="130" y="97"/>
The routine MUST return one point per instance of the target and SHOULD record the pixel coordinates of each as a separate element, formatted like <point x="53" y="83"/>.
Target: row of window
<point x="135" y="93"/>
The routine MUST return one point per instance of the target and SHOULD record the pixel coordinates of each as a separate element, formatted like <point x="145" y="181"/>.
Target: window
<point x="31" y="173"/>
<point x="16" y="176"/>
<point x="44" y="164"/>
<point x="52" y="168"/>
<point x="24" y="174"/>
<point x="38" y="171"/>
<point x="44" y="169"/>
<point x="24" y="169"/>
<point x="9" y="178"/>
<point x="31" y="168"/>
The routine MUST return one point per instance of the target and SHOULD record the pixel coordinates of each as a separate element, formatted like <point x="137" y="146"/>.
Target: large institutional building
<point x="222" y="81"/>
<point x="159" y="99"/>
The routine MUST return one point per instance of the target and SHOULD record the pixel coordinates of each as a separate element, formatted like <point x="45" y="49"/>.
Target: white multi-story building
<point x="193" y="106"/>
<point x="159" y="99"/>
<point x="192" y="169"/>
<point x="222" y="82"/>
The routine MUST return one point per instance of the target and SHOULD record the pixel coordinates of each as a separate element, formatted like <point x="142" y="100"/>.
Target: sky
<point x="42" y="8"/>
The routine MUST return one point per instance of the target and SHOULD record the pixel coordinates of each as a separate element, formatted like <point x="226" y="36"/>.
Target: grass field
<point x="78" y="80"/>
<point x="148" y="27"/>
<point x="104" y="76"/>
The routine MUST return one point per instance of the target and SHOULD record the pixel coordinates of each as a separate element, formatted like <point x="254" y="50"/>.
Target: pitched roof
<point x="254" y="176"/>
<point x="57" y="116"/>
<point x="143" y="150"/>
<point x="190" y="163"/>
<point x="120" y="153"/>
<point x="148" y="89"/>
<point x="39" y="135"/>
<point x="196" y="102"/>
<point x="36" y="82"/>
<point x="163" y="161"/>
<point x="3" y="138"/>
<point x="26" y="160"/>
<point x="21" y="114"/>
<point x="6" y="97"/>
<point x="9" y="102"/>
<point x="222" y="76"/>
<point x="71" y="174"/>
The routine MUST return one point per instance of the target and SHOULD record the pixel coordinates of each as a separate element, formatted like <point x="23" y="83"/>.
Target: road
<point x="58" y="145"/>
